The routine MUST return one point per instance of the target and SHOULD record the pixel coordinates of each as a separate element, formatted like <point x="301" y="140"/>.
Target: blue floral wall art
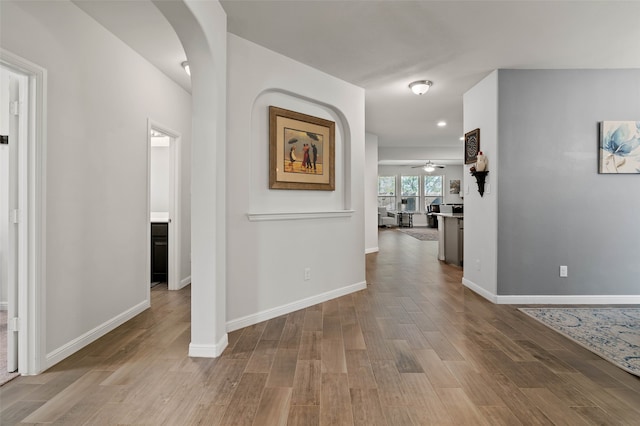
<point x="619" y="147"/>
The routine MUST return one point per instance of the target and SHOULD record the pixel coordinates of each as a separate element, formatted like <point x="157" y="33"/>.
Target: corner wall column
<point x="205" y="46"/>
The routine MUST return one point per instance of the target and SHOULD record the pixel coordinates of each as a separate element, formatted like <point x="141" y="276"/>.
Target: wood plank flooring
<point x="414" y="348"/>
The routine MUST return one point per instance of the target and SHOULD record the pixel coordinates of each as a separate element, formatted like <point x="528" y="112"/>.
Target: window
<point x="432" y="189"/>
<point x="387" y="192"/>
<point x="410" y="192"/>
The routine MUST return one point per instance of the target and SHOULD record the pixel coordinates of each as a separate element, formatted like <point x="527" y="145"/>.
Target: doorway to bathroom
<point x="163" y="202"/>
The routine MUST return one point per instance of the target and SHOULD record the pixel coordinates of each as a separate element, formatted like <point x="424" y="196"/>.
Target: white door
<point x="11" y="86"/>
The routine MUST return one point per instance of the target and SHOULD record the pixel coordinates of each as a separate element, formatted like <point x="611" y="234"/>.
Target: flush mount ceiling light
<point x="442" y="123"/>
<point x="185" y="65"/>
<point x="420" y="87"/>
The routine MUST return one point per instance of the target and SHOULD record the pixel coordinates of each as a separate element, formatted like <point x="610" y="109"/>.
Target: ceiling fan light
<point x="420" y="87"/>
<point x="429" y="168"/>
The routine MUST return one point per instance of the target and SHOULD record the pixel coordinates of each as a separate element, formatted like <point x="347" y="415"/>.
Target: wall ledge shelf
<point x="260" y="217"/>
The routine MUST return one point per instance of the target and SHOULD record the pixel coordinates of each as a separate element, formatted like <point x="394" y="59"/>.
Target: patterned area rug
<point x="422" y="233"/>
<point x="612" y="333"/>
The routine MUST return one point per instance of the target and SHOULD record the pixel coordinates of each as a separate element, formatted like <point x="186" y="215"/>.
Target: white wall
<point x="100" y="95"/>
<point x="453" y="173"/>
<point x="371" y="193"/>
<point x="266" y="259"/>
<point x="480" y="213"/>
<point x="159" y="178"/>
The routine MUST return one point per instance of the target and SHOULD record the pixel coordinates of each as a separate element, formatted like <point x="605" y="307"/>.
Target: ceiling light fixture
<point x="442" y="123"/>
<point x="429" y="168"/>
<point x="420" y="87"/>
<point x="185" y="65"/>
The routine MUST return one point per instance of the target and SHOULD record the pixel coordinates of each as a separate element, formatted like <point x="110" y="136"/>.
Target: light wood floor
<point x="415" y="348"/>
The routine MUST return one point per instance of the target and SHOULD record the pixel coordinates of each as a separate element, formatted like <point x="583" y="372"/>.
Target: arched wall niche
<point x="264" y="200"/>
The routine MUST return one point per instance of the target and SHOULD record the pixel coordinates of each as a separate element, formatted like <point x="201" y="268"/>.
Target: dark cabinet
<point x="159" y="252"/>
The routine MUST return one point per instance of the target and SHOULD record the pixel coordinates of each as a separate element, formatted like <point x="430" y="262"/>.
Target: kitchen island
<point x="450" y="237"/>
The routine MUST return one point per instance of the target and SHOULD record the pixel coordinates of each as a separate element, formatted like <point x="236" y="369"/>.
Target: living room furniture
<point x="432" y="220"/>
<point x="405" y="219"/>
<point x="385" y="218"/>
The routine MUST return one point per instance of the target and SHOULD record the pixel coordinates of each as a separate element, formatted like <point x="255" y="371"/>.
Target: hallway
<point x="415" y="348"/>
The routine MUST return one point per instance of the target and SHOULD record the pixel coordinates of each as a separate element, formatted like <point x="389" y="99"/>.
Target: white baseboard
<point x="293" y="306"/>
<point x="184" y="282"/>
<point x="603" y="299"/>
<point x="371" y="250"/>
<point x="576" y="299"/>
<point x="208" y="351"/>
<point x="4" y="306"/>
<point x="481" y="291"/>
<point x="64" y="351"/>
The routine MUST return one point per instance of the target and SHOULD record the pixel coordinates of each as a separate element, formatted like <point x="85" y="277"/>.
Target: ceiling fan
<point x="429" y="166"/>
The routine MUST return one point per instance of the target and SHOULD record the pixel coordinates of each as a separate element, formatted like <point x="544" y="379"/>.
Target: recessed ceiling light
<point x="420" y="87"/>
<point x="442" y="123"/>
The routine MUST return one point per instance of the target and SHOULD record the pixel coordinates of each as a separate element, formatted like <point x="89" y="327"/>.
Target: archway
<point x="202" y="30"/>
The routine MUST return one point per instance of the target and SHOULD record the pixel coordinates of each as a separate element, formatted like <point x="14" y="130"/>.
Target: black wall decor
<point x="471" y="146"/>
<point x="480" y="179"/>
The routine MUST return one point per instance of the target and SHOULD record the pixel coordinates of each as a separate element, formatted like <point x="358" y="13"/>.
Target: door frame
<point x="18" y="130"/>
<point x="174" y="253"/>
<point x="31" y="227"/>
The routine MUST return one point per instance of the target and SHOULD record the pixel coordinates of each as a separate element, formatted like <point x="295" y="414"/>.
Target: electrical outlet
<point x="563" y="271"/>
<point x="307" y="274"/>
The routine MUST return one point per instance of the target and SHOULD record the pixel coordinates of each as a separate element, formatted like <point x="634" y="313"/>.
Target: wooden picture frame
<point x="301" y="151"/>
<point x="471" y="146"/>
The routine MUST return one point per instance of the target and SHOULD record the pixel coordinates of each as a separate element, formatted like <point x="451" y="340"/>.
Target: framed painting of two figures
<point x="301" y="151"/>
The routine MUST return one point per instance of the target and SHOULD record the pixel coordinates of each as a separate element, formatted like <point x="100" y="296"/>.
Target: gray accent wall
<point x="553" y="207"/>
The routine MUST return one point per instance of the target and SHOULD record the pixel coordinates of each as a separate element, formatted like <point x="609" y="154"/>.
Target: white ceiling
<point x="384" y="45"/>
